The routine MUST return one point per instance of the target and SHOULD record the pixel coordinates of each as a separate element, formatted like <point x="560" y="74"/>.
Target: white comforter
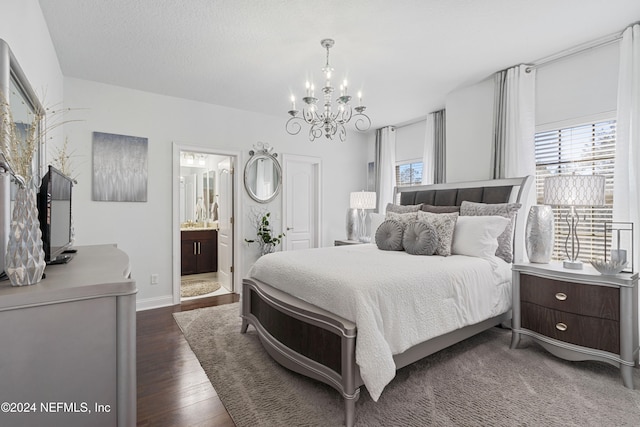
<point x="396" y="299"/>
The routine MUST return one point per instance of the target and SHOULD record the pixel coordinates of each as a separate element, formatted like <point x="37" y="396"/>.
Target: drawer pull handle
<point x="561" y="326"/>
<point x="560" y="296"/>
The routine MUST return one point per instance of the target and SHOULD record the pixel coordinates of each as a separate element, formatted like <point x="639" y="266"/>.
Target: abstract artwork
<point x="119" y="168"/>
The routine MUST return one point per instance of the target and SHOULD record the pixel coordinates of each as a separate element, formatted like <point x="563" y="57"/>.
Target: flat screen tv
<point x="54" y="214"/>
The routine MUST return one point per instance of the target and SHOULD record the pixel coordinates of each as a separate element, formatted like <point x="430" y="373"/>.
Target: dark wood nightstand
<point x="578" y="314"/>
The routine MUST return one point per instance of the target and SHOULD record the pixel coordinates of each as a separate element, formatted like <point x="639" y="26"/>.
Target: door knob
<point x="289" y="228"/>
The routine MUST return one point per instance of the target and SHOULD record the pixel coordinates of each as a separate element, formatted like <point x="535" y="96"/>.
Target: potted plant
<point x="265" y="237"/>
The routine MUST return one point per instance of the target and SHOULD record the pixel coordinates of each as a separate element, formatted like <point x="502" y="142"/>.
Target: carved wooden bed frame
<point x="320" y="345"/>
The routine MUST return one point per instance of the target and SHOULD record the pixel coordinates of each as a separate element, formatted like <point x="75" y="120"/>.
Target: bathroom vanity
<point x="199" y="250"/>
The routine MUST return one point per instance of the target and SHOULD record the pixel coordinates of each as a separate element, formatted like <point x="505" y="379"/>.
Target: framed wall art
<point x="119" y="168"/>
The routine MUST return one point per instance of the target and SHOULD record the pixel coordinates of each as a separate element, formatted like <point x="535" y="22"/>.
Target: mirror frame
<point x="263" y="153"/>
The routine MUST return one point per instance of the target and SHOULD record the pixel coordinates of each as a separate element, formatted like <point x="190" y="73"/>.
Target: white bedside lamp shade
<point x="362" y="200"/>
<point x="574" y="190"/>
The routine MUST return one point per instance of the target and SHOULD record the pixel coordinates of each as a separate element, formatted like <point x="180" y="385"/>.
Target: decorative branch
<point x="20" y="141"/>
<point x="62" y="159"/>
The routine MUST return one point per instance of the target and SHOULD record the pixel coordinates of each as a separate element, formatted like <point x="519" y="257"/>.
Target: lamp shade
<point x="362" y="200"/>
<point x="574" y="190"/>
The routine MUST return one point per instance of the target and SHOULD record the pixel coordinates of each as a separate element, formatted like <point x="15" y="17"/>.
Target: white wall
<point x="143" y="230"/>
<point x="23" y="27"/>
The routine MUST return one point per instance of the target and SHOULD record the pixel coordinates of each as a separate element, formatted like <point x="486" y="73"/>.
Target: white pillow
<point x="478" y="235"/>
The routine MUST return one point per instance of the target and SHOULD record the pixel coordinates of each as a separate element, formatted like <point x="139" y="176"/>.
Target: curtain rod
<point x="593" y="44"/>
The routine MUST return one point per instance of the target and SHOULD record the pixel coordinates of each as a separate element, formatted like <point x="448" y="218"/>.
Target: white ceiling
<point x="405" y="55"/>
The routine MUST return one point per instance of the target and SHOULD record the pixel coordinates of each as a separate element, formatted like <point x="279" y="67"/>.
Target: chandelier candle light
<point x="325" y="120"/>
<point x="362" y="200"/>
<point x="574" y="191"/>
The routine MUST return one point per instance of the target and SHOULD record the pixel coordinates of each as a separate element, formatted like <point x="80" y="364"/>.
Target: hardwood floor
<point x="173" y="389"/>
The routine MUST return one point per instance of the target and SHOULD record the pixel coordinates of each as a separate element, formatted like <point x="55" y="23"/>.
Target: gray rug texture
<point x="478" y="382"/>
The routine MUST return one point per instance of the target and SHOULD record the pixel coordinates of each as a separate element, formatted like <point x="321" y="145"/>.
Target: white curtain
<point x="428" y="158"/>
<point x="626" y="188"/>
<point x="514" y="123"/>
<point x="514" y="134"/>
<point x="385" y="166"/>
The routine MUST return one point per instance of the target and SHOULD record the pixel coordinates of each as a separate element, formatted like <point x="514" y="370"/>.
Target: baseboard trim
<point x="156" y="302"/>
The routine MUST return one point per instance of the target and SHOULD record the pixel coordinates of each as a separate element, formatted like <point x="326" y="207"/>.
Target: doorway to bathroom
<point x="205" y="205"/>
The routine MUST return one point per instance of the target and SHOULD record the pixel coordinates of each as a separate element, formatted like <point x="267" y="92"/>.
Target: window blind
<point x="583" y="149"/>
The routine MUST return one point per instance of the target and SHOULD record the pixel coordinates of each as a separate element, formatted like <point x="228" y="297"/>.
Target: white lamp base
<point x="573" y="265"/>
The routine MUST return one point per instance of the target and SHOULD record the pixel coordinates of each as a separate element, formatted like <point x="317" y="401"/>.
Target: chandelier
<point x="324" y="120"/>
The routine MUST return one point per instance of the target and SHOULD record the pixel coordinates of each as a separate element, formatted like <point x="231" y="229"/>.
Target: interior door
<point x="301" y="201"/>
<point x="225" y="224"/>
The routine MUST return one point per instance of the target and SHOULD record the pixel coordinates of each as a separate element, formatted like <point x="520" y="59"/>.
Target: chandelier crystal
<point x="323" y="119"/>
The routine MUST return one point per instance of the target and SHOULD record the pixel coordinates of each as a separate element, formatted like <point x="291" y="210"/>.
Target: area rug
<point x="192" y="287"/>
<point x="478" y="382"/>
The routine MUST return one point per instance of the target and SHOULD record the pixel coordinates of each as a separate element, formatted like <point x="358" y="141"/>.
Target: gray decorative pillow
<point x="403" y="218"/>
<point x="507" y="210"/>
<point x="402" y="208"/>
<point x="444" y="225"/>
<point x="420" y="238"/>
<point x="440" y="209"/>
<point x="389" y="236"/>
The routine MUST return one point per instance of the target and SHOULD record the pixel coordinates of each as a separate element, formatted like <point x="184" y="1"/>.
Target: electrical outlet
<point x="154" y="279"/>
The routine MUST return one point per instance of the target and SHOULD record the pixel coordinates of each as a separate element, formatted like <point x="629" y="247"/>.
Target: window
<point x="408" y="174"/>
<point x="584" y="149"/>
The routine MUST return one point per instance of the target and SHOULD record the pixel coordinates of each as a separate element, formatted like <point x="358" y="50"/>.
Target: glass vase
<point x="24" y="261"/>
<point x="352" y="224"/>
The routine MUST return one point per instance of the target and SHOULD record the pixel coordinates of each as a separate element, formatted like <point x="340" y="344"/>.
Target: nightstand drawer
<point x="572" y="328"/>
<point x="587" y="300"/>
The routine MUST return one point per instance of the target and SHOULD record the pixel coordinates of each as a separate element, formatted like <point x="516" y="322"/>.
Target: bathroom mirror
<point x="262" y="174"/>
<point x="198" y="173"/>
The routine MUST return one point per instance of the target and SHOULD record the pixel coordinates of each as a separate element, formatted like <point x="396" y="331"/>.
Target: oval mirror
<point x="262" y="174"/>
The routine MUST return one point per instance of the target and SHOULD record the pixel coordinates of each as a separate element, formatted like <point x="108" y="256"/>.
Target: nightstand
<point x="578" y="314"/>
<point x="346" y="242"/>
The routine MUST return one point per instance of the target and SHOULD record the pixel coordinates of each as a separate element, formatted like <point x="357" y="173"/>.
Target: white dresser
<point x="68" y="344"/>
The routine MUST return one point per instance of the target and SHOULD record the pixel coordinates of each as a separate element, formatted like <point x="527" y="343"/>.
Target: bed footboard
<point x="304" y="338"/>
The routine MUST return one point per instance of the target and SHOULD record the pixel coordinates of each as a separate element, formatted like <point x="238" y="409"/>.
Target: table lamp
<point x="573" y="191"/>
<point x="362" y="200"/>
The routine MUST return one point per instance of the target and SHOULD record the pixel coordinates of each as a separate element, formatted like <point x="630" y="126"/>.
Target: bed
<point x="308" y="326"/>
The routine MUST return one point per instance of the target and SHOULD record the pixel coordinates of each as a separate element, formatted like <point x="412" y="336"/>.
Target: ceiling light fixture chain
<point x="327" y="122"/>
